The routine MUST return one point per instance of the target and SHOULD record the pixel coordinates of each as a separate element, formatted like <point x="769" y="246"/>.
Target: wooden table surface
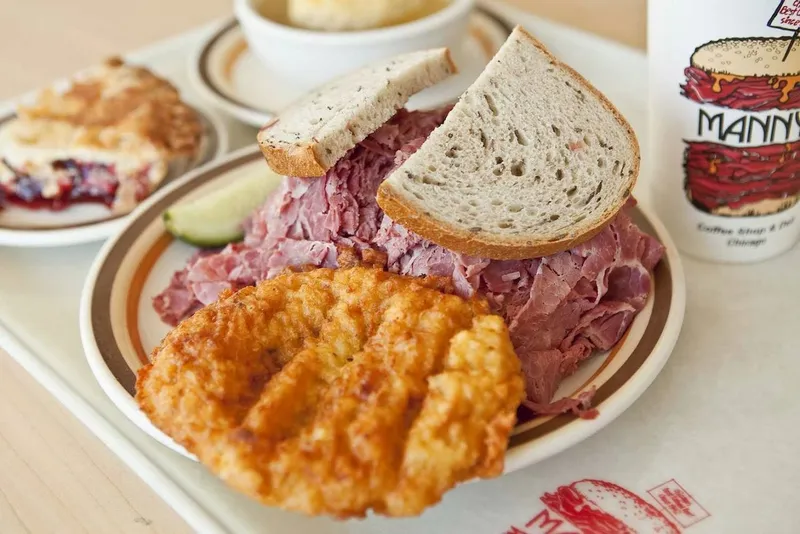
<point x="56" y="476"/>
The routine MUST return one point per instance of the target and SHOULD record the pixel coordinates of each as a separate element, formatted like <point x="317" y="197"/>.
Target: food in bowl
<point x="304" y="59"/>
<point x="110" y="138"/>
<point x="347" y="15"/>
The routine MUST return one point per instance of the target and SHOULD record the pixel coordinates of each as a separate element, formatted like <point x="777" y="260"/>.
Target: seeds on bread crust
<point x="317" y="131"/>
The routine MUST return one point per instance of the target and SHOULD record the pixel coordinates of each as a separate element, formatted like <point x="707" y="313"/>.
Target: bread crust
<point x="473" y="244"/>
<point x="304" y="160"/>
<point x="297" y="161"/>
<point x="404" y="212"/>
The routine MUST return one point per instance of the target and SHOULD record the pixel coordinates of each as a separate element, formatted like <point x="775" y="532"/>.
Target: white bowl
<point x="305" y="59"/>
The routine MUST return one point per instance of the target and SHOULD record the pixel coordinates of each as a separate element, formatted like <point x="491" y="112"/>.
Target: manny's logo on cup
<point x="744" y="159"/>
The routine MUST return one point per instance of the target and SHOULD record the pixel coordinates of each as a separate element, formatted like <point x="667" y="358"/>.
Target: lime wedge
<point x="215" y="219"/>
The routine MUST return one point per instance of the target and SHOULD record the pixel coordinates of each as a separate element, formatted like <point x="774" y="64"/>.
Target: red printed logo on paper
<point x="599" y="507"/>
<point x="679" y="503"/>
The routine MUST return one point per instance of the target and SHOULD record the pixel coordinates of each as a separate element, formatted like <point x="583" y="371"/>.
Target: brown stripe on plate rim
<point x="211" y="147"/>
<point x="536" y="421"/>
<point x="135" y="293"/>
<point x="480" y="35"/>
<point x="238" y="49"/>
<point x="100" y="305"/>
<point x="232" y="56"/>
<point x="483" y="40"/>
<point x="203" y="62"/>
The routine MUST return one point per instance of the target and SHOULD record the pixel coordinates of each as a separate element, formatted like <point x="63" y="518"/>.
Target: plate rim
<point x="623" y="398"/>
<point x="104" y="376"/>
<point x="201" y="79"/>
<point x="518" y="456"/>
<point x="102" y="229"/>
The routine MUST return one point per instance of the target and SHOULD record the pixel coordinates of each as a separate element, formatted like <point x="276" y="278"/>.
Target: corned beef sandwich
<point x="560" y="304"/>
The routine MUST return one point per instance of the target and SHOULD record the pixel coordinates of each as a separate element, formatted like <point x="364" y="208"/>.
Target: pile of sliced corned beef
<point x="559" y="309"/>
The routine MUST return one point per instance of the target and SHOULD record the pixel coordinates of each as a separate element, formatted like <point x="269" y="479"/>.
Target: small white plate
<point x="229" y="75"/>
<point x="119" y="326"/>
<point x="84" y="223"/>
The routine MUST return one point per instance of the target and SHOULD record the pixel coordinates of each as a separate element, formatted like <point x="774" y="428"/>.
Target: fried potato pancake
<point x="339" y="391"/>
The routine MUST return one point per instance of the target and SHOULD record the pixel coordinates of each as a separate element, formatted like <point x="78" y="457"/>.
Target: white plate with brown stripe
<point x="231" y="78"/>
<point x="119" y="326"/>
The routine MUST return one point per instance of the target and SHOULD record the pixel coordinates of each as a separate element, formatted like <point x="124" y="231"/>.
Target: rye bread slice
<point x="531" y="161"/>
<point x="310" y="136"/>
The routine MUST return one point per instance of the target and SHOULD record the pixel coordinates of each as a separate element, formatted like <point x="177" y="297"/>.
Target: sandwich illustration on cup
<point x="756" y="84"/>
<point x="745" y="73"/>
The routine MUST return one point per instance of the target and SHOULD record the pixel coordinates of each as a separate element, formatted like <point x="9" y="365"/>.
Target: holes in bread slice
<point x="561" y="162"/>
<point x="491" y="103"/>
<point x="500" y="166"/>
<point x="594" y="194"/>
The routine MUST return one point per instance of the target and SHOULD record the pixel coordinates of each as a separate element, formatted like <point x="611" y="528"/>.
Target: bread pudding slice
<point x="111" y="138"/>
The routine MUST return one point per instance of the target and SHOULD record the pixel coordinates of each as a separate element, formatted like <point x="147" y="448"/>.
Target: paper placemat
<point x="708" y="448"/>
